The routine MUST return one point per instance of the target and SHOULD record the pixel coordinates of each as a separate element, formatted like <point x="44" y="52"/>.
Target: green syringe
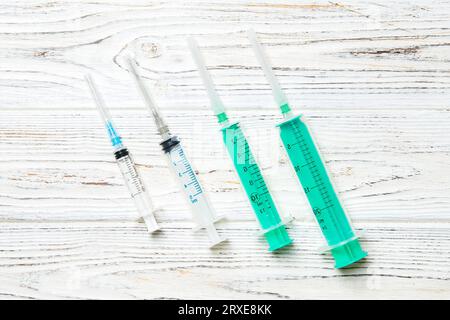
<point x="313" y="176"/>
<point x="273" y="227"/>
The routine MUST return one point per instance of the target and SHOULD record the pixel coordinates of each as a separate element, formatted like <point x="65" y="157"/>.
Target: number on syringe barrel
<point x="260" y="197"/>
<point x="250" y="175"/>
<point x="185" y="172"/>
<point x="131" y="176"/>
<point x="257" y="194"/>
<point x="311" y="173"/>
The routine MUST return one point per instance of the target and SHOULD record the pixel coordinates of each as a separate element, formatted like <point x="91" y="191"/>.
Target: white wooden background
<point x="372" y="77"/>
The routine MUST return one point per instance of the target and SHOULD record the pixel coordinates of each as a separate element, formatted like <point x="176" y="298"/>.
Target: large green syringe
<point x="313" y="176"/>
<point x="248" y="170"/>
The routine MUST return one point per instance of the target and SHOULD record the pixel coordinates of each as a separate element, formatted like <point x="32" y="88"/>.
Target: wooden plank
<point x="372" y="79"/>
<point x="393" y="54"/>
<point x="388" y="166"/>
<point x="120" y="260"/>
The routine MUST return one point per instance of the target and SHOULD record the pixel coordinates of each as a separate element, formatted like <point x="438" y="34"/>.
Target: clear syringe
<point x="202" y="211"/>
<point x="272" y="225"/>
<point x="310" y="169"/>
<point x="125" y="162"/>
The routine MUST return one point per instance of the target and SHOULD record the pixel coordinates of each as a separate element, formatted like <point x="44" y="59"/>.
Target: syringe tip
<point x="129" y="60"/>
<point x="216" y="102"/>
<point x="97" y="97"/>
<point x="116" y="141"/>
<point x="162" y="127"/>
<point x="87" y="77"/>
<point x="263" y="59"/>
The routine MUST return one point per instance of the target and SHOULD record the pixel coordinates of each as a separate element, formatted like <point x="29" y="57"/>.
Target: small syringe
<point x="273" y="227"/>
<point x="202" y="211"/>
<point x="310" y="169"/>
<point x="125" y="162"/>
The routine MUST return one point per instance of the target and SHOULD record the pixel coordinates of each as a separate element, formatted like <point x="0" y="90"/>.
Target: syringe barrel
<point x="312" y="174"/>
<point x="202" y="212"/>
<point x="255" y="187"/>
<point x="137" y="188"/>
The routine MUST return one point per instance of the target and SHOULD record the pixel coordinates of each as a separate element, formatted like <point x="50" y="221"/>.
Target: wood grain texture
<point x="372" y="79"/>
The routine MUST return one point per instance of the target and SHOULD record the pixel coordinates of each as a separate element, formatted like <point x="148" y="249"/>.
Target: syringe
<point x="247" y="169"/>
<point x="125" y="162"/>
<point x="202" y="211"/>
<point x="313" y="176"/>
